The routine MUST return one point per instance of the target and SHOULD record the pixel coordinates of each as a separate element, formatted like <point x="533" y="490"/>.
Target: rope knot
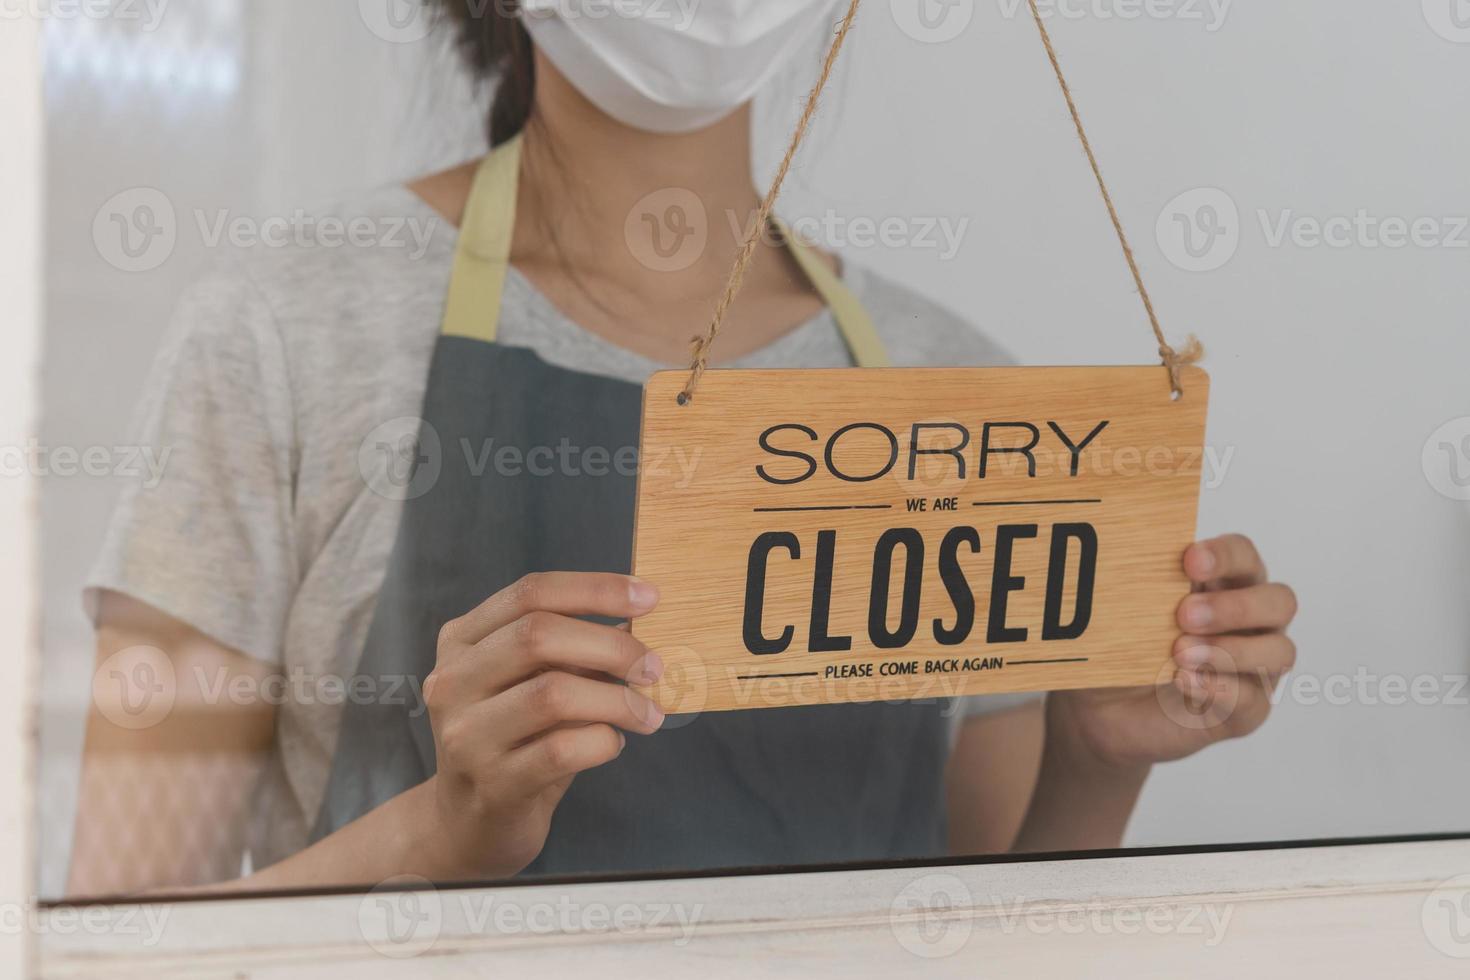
<point x="699" y="350"/>
<point x="1177" y="360"/>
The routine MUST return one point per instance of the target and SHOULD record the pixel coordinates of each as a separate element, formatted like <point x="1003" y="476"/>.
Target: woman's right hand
<point x="522" y="698"/>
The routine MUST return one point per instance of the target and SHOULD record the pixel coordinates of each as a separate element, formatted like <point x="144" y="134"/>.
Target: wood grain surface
<point x="820" y="476"/>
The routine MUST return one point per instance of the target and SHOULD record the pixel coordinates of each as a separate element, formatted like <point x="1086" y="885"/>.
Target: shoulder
<point x="917" y="331"/>
<point x="380" y="247"/>
<point x="344" y="280"/>
<point x="324" y="314"/>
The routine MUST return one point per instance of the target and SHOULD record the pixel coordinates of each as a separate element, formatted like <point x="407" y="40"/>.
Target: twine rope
<point x="1174" y="360"/>
<point x="702" y="345"/>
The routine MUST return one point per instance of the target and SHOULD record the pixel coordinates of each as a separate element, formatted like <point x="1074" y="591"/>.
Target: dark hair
<point x="496" y="45"/>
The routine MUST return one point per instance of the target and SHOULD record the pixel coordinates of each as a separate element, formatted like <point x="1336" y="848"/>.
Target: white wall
<point x="1332" y="366"/>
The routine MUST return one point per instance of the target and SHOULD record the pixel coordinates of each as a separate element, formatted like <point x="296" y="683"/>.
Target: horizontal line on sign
<point x="762" y="677"/>
<point x="1033" y="663"/>
<point x="1031" y="503"/>
<point x="792" y="510"/>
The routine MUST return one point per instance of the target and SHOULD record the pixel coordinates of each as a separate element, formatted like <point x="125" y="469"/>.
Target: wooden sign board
<point x="848" y="535"/>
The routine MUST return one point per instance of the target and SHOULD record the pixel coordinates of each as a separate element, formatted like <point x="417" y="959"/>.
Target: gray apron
<point x="806" y="785"/>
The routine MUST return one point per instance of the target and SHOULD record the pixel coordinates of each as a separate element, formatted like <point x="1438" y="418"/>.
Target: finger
<point x="1227" y="705"/>
<point x="1264" y="655"/>
<point x="1258" y="607"/>
<point x="555" y="698"/>
<point x="558" y="755"/>
<point x="1201" y="700"/>
<point x="567" y="593"/>
<point x="541" y="641"/>
<point x="1231" y="561"/>
<point x="537" y="642"/>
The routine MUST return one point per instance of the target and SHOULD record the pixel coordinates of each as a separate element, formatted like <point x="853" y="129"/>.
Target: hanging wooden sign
<point x="827" y="536"/>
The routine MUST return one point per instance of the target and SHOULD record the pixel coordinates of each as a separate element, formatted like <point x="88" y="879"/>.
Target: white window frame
<point x="1340" y="911"/>
<point x="21" y="201"/>
<point x="1343" y="911"/>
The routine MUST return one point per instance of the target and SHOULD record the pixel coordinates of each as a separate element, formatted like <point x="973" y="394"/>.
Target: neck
<point x="590" y="183"/>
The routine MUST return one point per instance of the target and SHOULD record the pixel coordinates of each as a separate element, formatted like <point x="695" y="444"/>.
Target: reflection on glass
<point x="353" y="576"/>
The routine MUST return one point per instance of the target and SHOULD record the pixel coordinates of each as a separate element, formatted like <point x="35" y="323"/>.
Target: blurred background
<point x="1293" y="176"/>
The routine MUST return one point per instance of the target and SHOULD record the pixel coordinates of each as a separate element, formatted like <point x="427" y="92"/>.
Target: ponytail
<point x="496" y="45"/>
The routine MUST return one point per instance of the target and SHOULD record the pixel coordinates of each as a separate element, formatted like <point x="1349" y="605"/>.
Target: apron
<point x="808" y="785"/>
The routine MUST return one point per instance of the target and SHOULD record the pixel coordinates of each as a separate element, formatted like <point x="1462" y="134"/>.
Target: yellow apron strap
<point x="852" y="319"/>
<point x="483" y="254"/>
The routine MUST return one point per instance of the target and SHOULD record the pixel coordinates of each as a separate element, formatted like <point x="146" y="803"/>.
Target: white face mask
<point x="672" y="66"/>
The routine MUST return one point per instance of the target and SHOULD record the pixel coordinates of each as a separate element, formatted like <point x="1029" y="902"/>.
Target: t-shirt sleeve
<point x="207" y="538"/>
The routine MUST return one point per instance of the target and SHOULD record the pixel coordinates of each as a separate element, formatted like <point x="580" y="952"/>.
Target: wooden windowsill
<point x="1361" y="910"/>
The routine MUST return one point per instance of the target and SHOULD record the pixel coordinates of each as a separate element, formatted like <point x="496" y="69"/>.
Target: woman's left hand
<point x="1233" y="652"/>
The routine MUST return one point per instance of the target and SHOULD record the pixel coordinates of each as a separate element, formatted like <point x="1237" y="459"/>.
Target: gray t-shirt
<point x="264" y="532"/>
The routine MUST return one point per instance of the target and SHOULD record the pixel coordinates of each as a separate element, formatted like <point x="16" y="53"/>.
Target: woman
<point x="294" y="540"/>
